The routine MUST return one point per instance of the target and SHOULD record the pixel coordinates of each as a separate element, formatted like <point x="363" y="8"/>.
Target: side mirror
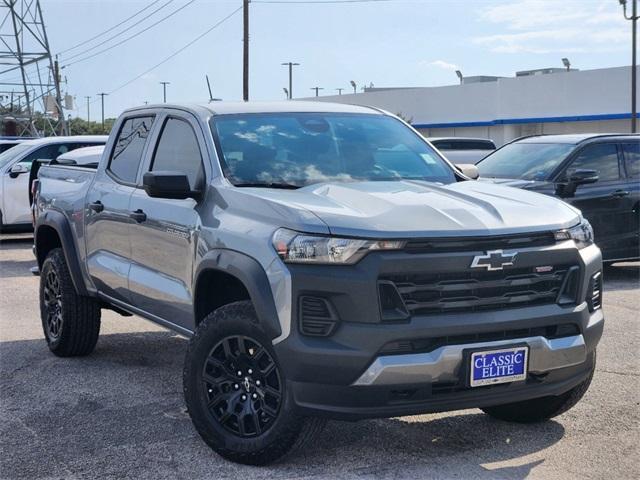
<point x="163" y="184"/>
<point x="18" y="169"/>
<point x="577" y="178"/>
<point x="469" y="170"/>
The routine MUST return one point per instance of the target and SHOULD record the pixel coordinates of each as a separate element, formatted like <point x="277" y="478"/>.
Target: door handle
<point x="620" y="193"/>
<point x="139" y="216"/>
<point x="96" y="206"/>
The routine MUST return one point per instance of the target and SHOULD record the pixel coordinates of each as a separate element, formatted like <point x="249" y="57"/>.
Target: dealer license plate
<point x="504" y="365"/>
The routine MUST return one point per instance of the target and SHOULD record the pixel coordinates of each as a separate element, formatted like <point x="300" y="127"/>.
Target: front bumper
<point x="346" y="375"/>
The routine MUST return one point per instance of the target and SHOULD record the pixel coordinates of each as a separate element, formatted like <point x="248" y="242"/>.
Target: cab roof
<point x="289" y="106"/>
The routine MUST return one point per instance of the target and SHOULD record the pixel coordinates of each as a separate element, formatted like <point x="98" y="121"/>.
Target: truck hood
<point x="403" y="209"/>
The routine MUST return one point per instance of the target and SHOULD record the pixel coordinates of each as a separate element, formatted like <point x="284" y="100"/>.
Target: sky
<point x="385" y="43"/>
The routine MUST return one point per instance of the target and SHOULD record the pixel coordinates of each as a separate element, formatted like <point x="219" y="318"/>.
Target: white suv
<point x="15" y="165"/>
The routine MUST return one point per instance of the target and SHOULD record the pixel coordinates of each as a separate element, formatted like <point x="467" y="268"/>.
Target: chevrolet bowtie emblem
<point x="494" y="260"/>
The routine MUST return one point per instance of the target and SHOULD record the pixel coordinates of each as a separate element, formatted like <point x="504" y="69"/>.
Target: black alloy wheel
<point x="53" y="304"/>
<point x="242" y="385"/>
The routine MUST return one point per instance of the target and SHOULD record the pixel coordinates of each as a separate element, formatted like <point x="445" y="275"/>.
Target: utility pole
<point x="164" y="91"/>
<point x="102" y="95"/>
<point x="56" y="75"/>
<point x="317" y="89"/>
<point x="634" y="19"/>
<point x="88" y="110"/>
<point x="245" y="51"/>
<point x="290" y="65"/>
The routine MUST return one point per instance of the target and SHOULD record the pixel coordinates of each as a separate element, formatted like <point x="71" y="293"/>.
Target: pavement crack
<point x="626" y="374"/>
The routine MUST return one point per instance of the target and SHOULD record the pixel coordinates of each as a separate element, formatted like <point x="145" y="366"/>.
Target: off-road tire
<point x="544" y="408"/>
<point x="286" y="433"/>
<point x="76" y="334"/>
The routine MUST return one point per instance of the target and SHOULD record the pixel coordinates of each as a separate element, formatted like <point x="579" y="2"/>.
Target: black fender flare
<point x="60" y="223"/>
<point x="248" y="271"/>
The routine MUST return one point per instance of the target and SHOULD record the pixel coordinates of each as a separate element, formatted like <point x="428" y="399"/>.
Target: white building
<point x="504" y="108"/>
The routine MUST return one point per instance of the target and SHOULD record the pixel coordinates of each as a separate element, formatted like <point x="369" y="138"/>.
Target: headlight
<point x="295" y="247"/>
<point x="582" y="234"/>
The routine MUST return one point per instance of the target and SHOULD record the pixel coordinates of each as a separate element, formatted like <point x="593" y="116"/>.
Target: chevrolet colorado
<point x="325" y="262"/>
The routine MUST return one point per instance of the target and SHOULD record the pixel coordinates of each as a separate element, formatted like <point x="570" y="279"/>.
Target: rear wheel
<point x="541" y="409"/>
<point x="71" y="322"/>
<point x="236" y="392"/>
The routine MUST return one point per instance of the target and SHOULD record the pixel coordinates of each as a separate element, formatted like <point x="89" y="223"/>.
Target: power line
<point x="131" y="36"/>
<point x="110" y="29"/>
<point x="177" y="52"/>
<point x="79" y="54"/>
<point x="318" y="1"/>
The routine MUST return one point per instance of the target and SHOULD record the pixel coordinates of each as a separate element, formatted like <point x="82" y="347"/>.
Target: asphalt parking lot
<point x="119" y="413"/>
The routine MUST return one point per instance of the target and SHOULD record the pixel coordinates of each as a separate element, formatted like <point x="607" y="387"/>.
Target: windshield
<point x="292" y="150"/>
<point x="526" y="161"/>
<point x="8" y="155"/>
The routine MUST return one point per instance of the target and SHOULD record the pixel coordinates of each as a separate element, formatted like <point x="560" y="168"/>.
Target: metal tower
<point x="30" y="97"/>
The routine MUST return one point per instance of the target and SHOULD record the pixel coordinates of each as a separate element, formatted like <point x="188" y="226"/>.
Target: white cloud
<point x="442" y="65"/>
<point x="547" y="26"/>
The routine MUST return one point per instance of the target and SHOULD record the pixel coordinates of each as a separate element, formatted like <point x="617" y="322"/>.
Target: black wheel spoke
<point x="53" y="304"/>
<point x="242" y="385"/>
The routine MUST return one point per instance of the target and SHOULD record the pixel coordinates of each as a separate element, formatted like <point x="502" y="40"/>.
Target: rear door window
<point x="631" y="153"/>
<point x="127" y="153"/>
<point x="602" y="158"/>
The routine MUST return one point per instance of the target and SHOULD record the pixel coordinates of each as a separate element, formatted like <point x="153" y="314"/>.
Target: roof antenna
<point x="209" y="87"/>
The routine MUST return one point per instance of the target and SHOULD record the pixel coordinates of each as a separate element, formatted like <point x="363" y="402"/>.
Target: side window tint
<point x="127" y="153"/>
<point x="178" y="151"/>
<point x="601" y="158"/>
<point x="47" y="152"/>
<point x="632" y="159"/>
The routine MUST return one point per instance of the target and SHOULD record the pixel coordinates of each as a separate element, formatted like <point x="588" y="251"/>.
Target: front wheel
<point x="541" y="409"/>
<point x="236" y="392"/>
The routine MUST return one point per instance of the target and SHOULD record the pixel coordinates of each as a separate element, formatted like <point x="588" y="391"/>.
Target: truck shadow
<point x="120" y="412"/>
<point x="622" y="276"/>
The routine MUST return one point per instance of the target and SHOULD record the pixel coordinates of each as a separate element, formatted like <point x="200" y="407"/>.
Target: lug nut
<point x="244" y="397"/>
<point x="250" y="371"/>
<point x="258" y="383"/>
<point x="255" y="395"/>
<point x="239" y="373"/>
<point x="236" y="386"/>
<point x="210" y="390"/>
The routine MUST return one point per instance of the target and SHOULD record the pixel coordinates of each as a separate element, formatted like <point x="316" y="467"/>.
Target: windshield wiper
<point x="282" y="185"/>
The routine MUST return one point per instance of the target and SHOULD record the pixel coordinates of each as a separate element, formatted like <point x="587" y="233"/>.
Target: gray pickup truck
<point x="325" y="262"/>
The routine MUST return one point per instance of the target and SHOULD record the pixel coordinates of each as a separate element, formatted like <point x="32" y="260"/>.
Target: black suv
<point x="599" y="174"/>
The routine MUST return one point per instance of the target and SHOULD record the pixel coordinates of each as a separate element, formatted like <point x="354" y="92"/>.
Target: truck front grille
<point x="424" y="294"/>
<point x="482" y="244"/>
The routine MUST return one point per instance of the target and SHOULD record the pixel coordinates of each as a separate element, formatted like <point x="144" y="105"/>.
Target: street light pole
<point x="88" y="111"/>
<point x="634" y="19"/>
<point x="164" y="91"/>
<point x="290" y="65"/>
<point x="339" y="90"/>
<point x="317" y="89"/>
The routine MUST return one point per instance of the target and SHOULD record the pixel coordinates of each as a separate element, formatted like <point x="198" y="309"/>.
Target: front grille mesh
<point x="424" y="294"/>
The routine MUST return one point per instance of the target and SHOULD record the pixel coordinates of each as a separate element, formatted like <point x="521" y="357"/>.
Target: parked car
<point x="597" y="173"/>
<point x="15" y="166"/>
<point x="463" y="150"/>
<point x="326" y="262"/>
<point x="6" y="143"/>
